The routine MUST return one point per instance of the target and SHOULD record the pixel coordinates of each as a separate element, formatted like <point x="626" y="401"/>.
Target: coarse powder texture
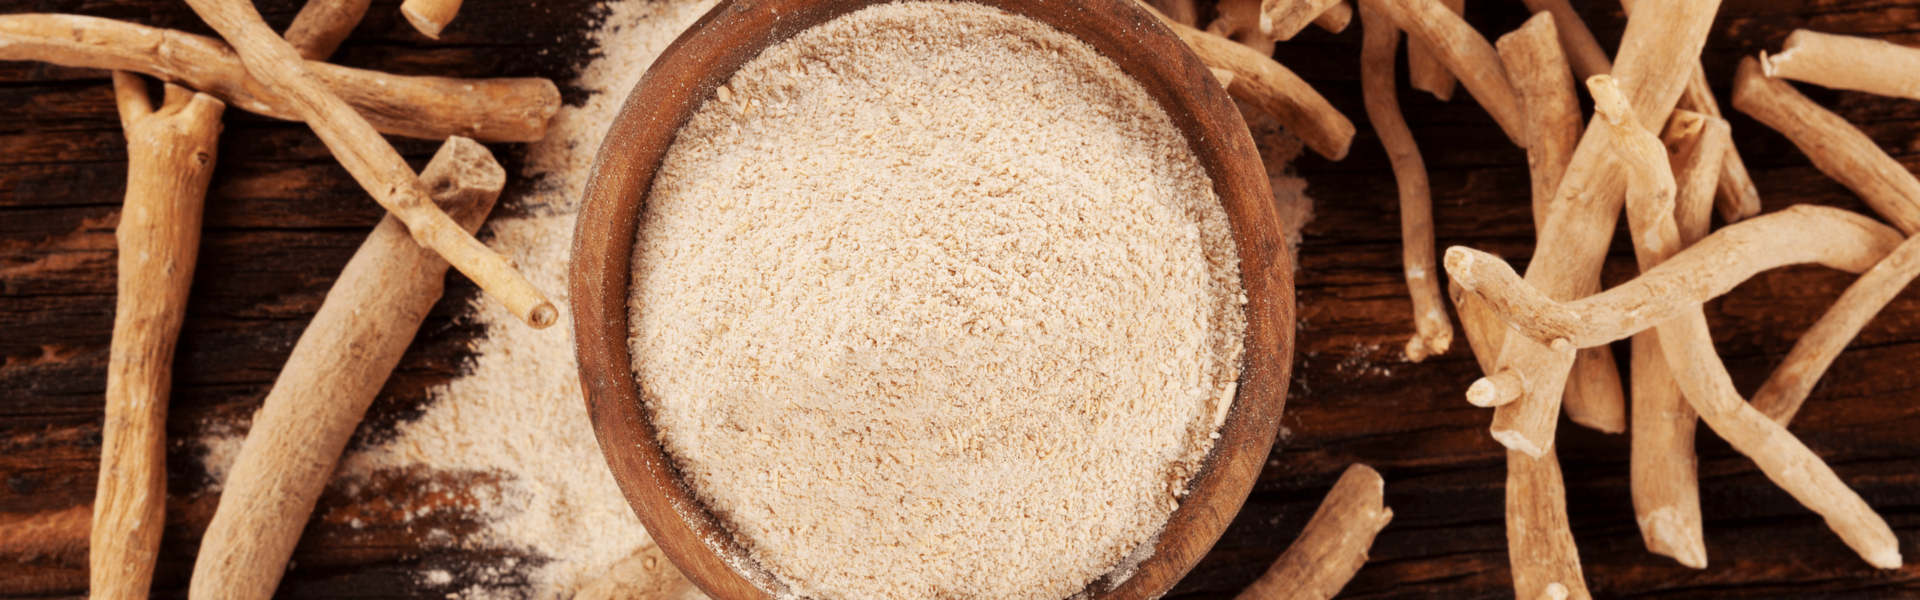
<point x="933" y="301"/>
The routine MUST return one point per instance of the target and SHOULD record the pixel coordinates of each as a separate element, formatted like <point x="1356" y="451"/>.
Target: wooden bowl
<point x="735" y="32"/>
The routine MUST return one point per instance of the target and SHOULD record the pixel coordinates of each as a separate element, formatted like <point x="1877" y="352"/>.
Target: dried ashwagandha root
<point x="1697" y="368"/>
<point x="1655" y="52"/>
<point x="1271" y="88"/>
<point x="337" y="368"/>
<point x="371" y="160"/>
<point x="1242" y="21"/>
<point x="1800" y="234"/>
<point x="170" y="156"/>
<point x="1433" y="333"/>
<point x="430" y="16"/>
<point x="1850" y="157"/>
<point x="1541" y="78"/>
<point x="1425" y="72"/>
<point x="489" y="110"/>
<point x="1464" y="52"/>
<point x="1847" y="62"/>
<point x="1783" y="393"/>
<point x="1663" y="468"/>
<point x="1736" y="195"/>
<point x="1283" y="19"/>
<point x="1333" y="546"/>
<point x="322" y="24"/>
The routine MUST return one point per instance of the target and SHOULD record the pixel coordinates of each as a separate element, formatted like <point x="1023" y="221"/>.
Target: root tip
<point x="543" y="316"/>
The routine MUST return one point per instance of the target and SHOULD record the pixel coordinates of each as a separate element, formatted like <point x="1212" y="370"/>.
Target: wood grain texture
<point x="282" y="219"/>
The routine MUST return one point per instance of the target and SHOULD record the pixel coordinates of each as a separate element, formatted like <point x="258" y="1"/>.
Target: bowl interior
<point x="735" y="32"/>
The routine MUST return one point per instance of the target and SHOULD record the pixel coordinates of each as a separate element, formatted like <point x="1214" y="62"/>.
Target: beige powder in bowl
<point x="933" y="301"/>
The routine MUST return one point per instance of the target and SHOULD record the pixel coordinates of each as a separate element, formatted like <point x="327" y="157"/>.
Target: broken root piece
<point x="1653" y="51"/>
<point x="1283" y="19"/>
<point x="1424" y="70"/>
<point x="1703" y="379"/>
<point x="1847" y="62"/>
<point x="1335" y="18"/>
<point x="1836" y="147"/>
<point x="1783" y="393"/>
<point x="1546" y="563"/>
<point x="1241" y="21"/>
<point x="489" y="110"/>
<point x="430" y="16"/>
<point x="1464" y="52"/>
<point x="372" y="161"/>
<point x="322" y="24"/>
<point x="1800" y="234"/>
<point x="1583" y="51"/>
<point x="170" y="156"/>
<point x="1334" y="544"/>
<point x="1273" y="89"/>
<point x="1433" y="333"/>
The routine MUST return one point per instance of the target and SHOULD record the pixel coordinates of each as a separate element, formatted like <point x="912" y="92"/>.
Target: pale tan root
<point x="1654" y="54"/>
<point x="1539" y="542"/>
<point x="1334" y="545"/>
<point x="1783" y="393"/>
<point x="1697" y="148"/>
<point x="1843" y="152"/>
<point x="1541" y="79"/>
<point x="489" y="110"/>
<point x="1284" y="19"/>
<point x="1847" y="62"/>
<point x="1663" y="469"/>
<point x="1702" y="378"/>
<point x="1433" y="333"/>
<point x="337" y="368"/>
<point x="1798" y="235"/>
<point x="1735" y="194"/>
<point x="1462" y="51"/>
<point x="170" y="156"/>
<point x="1595" y="397"/>
<point x="1545" y="88"/>
<point x="1240" y="20"/>
<point x="1737" y="197"/>
<point x="322" y="24"/>
<point x="1424" y="71"/>
<point x="1836" y="147"/>
<point x="1484" y="330"/>
<point x="371" y="161"/>
<point x="1335" y="18"/>
<point x="1583" y="52"/>
<point x="1223" y="76"/>
<point x="1497" y="389"/>
<point x="430" y="16"/>
<point x="1273" y="89"/>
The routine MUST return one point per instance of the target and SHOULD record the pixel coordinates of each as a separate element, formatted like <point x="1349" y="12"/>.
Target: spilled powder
<point x="933" y="301"/>
<point x="519" y="412"/>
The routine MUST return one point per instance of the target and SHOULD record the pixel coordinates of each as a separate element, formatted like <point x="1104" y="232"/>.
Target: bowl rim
<point x="736" y="31"/>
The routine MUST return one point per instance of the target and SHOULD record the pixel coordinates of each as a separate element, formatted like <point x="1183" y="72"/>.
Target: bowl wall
<point x="735" y="32"/>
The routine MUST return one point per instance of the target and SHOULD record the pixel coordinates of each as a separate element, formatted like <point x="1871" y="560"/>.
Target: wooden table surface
<point x="283" y="218"/>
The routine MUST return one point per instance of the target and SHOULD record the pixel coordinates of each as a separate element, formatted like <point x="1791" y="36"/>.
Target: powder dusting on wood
<point x="933" y="301"/>
<point x="518" y="413"/>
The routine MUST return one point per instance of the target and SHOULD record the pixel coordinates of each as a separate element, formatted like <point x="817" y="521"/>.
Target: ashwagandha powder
<point x="933" y="301"/>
